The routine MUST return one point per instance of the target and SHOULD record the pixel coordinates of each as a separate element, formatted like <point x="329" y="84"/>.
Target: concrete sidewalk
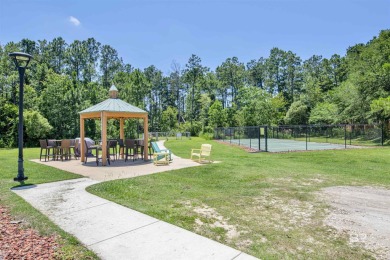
<point x="117" y="232"/>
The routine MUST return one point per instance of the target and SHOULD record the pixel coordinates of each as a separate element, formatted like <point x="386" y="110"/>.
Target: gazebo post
<point x="146" y="141"/>
<point x="82" y="134"/>
<point x="121" y="135"/>
<point x="104" y="138"/>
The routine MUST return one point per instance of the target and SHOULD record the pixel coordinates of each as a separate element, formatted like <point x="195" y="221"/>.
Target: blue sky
<point x="152" y="32"/>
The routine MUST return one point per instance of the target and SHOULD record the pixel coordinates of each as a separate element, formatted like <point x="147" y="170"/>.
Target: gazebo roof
<point x="113" y="105"/>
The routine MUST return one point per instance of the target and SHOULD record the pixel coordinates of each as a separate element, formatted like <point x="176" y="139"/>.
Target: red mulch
<point x="18" y="243"/>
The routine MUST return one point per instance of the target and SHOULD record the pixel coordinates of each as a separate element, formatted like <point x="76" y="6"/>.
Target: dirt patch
<point x="286" y="215"/>
<point x="216" y="221"/>
<point x="19" y="243"/>
<point x="364" y="214"/>
<point x="209" y="218"/>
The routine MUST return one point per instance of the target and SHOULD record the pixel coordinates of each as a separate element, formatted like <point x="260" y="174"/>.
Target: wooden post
<point x="146" y="141"/>
<point x="121" y="135"/>
<point x="81" y="144"/>
<point x="104" y="138"/>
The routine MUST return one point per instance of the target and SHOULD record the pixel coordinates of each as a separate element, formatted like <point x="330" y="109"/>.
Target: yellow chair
<point x="202" y="153"/>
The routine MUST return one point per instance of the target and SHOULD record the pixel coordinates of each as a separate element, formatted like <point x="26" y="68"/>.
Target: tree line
<point x="64" y="79"/>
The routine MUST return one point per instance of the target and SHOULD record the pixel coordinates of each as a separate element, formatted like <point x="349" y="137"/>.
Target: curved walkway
<point x="117" y="232"/>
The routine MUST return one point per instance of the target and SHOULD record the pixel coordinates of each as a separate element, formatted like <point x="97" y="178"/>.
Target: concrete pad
<point x="118" y="169"/>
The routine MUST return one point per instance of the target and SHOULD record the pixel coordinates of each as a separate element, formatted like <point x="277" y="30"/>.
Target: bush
<point x="194" y="130"/>
<point x="206" y="136"/>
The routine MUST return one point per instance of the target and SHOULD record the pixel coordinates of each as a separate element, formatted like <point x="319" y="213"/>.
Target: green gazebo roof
<point x="113" y="105"/>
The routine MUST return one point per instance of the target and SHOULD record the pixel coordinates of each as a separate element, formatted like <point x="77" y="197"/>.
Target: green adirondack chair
<point x="160" y="156"/>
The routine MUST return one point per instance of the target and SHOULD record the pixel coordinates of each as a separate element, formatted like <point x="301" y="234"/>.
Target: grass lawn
<point x="21" y="210"/>
<point x="261" y="203"/>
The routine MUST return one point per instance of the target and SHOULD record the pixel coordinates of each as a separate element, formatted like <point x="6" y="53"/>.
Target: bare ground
<point x="364" y="214"/>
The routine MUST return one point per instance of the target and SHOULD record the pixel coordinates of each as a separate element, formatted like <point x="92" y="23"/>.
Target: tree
<point x="37" y="127"/>
<point x="176" y="89"/>
<point x="57" y="104"/>
<point x="75" y="59"/>
<point x="205" y="102"/>
<point x="193" y="75"/>
<point x="380" y="108"/>
<point x="169" y="119"/>
<point x="293" y="76"/>
<point x="157" y="96"/>
<point x="92" y="54"/>
<point x="297" y="114"/>
<point x="257" y="107"/>
<point x="57" y="54"/>
<point x="217" y="115"/>
<point x="110" y="64"/>
<point x="231" y="75"/>
<point x="8" y="124"/>
<point x="324" y="113"/>
<point x="274" y="77"/>
<point x="256" y="72"/>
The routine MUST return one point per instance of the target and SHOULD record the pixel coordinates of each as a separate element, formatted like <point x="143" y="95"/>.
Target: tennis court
<point x="283" y="145"/>
<point x="301" y="137"/>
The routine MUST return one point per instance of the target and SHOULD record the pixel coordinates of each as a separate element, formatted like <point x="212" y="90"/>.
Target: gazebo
<point x="112" y="108"/>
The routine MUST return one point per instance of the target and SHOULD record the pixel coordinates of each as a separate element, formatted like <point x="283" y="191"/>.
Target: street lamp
<point x="21" y="61"/>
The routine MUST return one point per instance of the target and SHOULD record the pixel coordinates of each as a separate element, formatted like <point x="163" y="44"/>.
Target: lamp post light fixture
<point x="21" y="61"/>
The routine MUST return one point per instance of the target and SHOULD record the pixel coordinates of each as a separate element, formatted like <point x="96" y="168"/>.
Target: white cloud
<point x="74" y="21"/>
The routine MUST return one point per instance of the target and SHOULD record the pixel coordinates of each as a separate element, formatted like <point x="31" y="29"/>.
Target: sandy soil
<point x="364" y="214"/>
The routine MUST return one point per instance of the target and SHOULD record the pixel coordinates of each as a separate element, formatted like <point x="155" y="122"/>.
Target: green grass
<point x="261" y="203"/>
<point x="21" y="210"/>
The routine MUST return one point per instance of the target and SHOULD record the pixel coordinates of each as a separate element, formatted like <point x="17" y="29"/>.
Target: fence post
<point x="306" y="136"/>
<point x="345" y="136"/>
<point x="250" y="138"/>
<point x="258" y="138"/>
<point x="266" y="137"/>
<point x="383" y="131"/>
<point x="326" y="133"/>
<point x="231" y="134"/>
<point x="239" y="137"/>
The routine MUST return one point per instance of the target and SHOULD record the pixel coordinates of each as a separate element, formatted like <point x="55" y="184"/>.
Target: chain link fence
<point x="302" y="137"/>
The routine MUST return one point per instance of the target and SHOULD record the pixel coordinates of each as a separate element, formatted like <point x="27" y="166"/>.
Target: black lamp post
<point x="21" y="61"/>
